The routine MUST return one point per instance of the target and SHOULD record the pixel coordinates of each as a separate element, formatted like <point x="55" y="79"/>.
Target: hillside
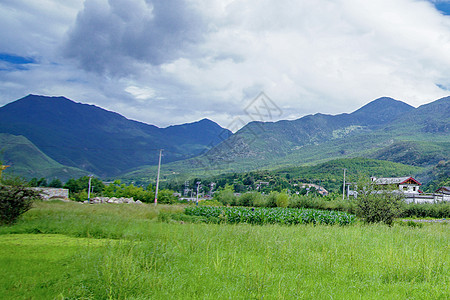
<point x="269" y="140"/>
<point x="99" y="141"/>
<point x="28" y="161"/>
<point x="384" y="129"/>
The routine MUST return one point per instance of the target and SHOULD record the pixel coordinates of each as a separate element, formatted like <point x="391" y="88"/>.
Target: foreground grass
<point x="148" y="259"/>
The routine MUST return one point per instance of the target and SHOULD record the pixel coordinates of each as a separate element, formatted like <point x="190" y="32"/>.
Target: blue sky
<point x="442" y="5"/>
<point x="168" y="62"/>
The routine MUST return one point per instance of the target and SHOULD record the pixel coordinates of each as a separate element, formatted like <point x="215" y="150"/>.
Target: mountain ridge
<point x="97" y="140"/>
<point x="384" y="128"/>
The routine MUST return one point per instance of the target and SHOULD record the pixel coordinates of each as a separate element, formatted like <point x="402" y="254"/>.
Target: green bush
<point x="427" y="210"/>
<point x="271" y="200"/>
<point x="14" y="201"/>
<point x="226" y="195"/>
<point x="250" y="199"/>
<point x="375" y="205"/>
<point x="282" y="200"/>
<point x="166" y="197"/>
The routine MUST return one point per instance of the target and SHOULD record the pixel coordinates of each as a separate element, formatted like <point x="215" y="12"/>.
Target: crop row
<point x="260" y="216"/>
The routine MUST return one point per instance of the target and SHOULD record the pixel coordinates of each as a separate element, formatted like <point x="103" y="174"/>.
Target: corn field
<point x="261" y="216"/>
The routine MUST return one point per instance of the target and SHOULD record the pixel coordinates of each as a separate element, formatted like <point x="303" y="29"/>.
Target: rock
<point x="138" y="202"/>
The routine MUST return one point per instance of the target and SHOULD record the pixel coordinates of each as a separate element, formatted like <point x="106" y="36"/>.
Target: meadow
<point x="121" y="251"/>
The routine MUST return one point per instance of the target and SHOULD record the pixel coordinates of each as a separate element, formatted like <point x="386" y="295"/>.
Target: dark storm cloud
<point x="109" y="36"/>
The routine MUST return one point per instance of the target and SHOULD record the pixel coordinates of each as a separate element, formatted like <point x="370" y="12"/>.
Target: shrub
<point x="379" y="206"/>
<point x="226" y="195"/>
<point x="249" y="199"/>
<point x="423" y="210"/>
<point x="166" y="197"/>
<point x="260" y="200"/>
<point x="271" y="200"/>
<point x="14" y="201"/>
<point x="282" y="200"/>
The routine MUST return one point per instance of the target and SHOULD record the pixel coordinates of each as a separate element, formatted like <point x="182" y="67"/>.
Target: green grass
<point x="151" y="260"/>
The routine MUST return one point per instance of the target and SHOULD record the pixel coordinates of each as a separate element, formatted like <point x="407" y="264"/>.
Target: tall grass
<point x="209" y="261"/>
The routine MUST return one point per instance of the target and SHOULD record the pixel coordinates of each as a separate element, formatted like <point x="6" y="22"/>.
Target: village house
<point x="407" y="185"/>
<point x="443" y="190"/>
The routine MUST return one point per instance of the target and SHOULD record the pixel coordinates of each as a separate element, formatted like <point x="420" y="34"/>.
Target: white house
<point x="407" y="185"/>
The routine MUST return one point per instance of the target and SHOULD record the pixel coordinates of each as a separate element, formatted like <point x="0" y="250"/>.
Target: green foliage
<point x="411" y="223"/>
<point x="250" y="199"/>
<point x="118" y="190"/>
<point x="166" y="197"/>
<point x="55" y="183"/>
<point x="80" y="196"/>
<point x="379" y="204"/>
<point x="282" y="200"/>
<point x="440" y="175"/>
<point x="209" y="202"/>
<point x="82" y="184"/>
<point x="427" y="210"/>
<point x="34" y="182"/>
<point x="261" y="216"/>
<point x="272" y="199"/>
<point x="14" y="201"/>
<point x="226" y="195"/>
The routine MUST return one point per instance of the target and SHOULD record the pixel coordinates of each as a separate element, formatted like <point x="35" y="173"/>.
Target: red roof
<point x="412" y="179"/>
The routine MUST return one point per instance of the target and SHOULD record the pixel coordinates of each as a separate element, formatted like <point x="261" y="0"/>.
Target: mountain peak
<point x="382" y="110"/>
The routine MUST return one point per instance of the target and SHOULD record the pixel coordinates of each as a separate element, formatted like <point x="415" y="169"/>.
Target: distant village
<point x="408" y="186"/>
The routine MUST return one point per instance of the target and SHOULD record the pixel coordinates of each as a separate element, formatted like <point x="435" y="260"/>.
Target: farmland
<point x="71" y="250"/>
<point x="261" y="216"/>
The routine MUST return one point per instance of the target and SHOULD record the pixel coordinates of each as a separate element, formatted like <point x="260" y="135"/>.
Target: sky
<point x="166" y="62"/>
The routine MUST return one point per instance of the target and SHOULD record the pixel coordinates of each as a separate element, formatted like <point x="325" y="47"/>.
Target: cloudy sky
<point x="169" y="62"/>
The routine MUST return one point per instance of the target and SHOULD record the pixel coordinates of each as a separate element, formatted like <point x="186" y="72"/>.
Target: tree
<point x="379" y="204"/>
<point x="282" y="200"/>
<point x="82" y="184"/>
<point x="14" y="201"/>
<point x="226" y="195"/>
<point x="55" y="183"/>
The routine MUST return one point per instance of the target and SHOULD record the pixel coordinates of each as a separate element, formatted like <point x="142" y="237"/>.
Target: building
<point x="443" y="190"/>
<point x="407" y="185"/>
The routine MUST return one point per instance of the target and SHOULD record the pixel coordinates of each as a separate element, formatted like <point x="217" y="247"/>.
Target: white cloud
<point x="166" y="62"/>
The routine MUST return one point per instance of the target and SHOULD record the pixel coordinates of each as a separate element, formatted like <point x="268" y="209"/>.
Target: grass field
<point x="71" y="250"/>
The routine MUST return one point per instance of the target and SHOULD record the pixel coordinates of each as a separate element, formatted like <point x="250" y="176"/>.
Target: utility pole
<point x="198" y="185"/>
<point x="343" y="187"/>
<point x="157" y="179"/>
<point x="89" y="189"/>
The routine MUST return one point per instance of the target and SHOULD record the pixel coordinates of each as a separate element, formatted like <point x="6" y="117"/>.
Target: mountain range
<point x="77" y="137"/>
<point x="96" y="140"/>
<point x="384" y="129"/>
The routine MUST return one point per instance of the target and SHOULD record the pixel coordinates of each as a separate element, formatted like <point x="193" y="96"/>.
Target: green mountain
<point x="99" y="141"/>
<point x="384" y="129"/>
<point x="26" y="160"/>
